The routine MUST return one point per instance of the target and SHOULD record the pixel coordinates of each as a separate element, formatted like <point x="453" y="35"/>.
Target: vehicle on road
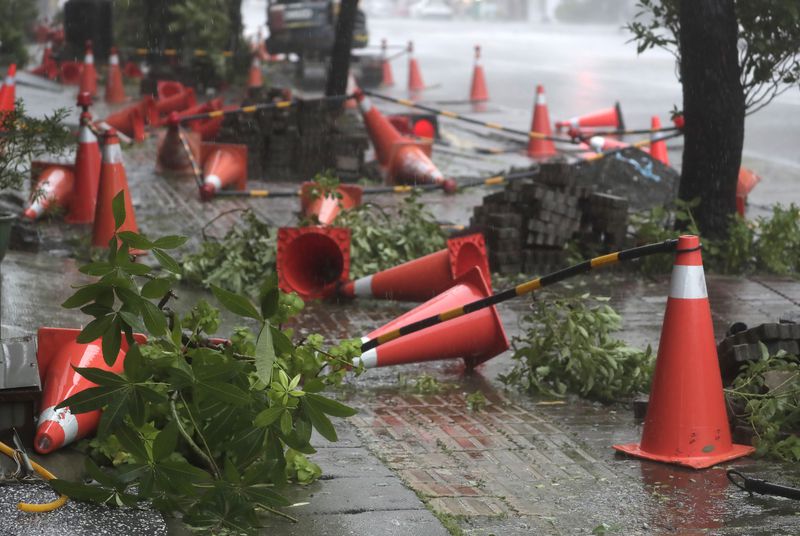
<point x="431" y="9"/>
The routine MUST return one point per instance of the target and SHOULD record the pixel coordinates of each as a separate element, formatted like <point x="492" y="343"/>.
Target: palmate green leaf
<point x="269" y="296"/>
<point x="81" y="492"/>
<point x="133" y="442"/>
<point x="170" y="242"/>
<point x="95" y="329"/>
<point x="166" y="261"/>
<point x="131" y="320"/>
<point x="154" y="319"/>
<point x="91" y="399"/>
<point x="225" y="392"/>
<point x="156" y="288"/>
<point x="286" y="423"/>
<point x="118" y="208"/>
<point x="134" y="366"/>
<point x="331" y="407"/>
<point x="268" y="416"/>
<point x="114" y="413"/>
<point x="96" y="268"/>
<point x="134" y="240"/>
<point x="265" y="354"/>
<point x="235" y="303"/>
<point x="102" y="377"/>
<point x="320" y="422"/>
<point x="82" y="296"/>
<point x="102" y="477"/>
<point x="166" y="441"/>
<point x="111" y="343"/>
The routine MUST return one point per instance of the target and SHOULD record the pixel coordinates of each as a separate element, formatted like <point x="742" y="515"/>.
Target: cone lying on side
<point x="421" y="279"/>
<point x="687" y="423"/>
<point x="607" y="117"/>
<point x="87" y="168"/>
<point x="115" y="90"/>
<point x="224" y="165"/>
<point x="58" y="353"/>
<point x="325" y="207"/>
<point x="88" y="83"/>
<point x="313" y="261"/>
<point x="538" y="147"/>
<point x="131" y="119"/>
<point x="402" y="159"/>
<point x="53" y="188"/>
<point x="113" y="180"/>
<point x="475" y="337"/>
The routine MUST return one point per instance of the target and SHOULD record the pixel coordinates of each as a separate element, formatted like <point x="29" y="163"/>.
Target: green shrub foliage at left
<point x="17" y="18"/>
<point x="204" y="428"/>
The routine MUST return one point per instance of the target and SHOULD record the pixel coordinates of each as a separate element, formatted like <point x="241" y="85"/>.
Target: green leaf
<point x="166" y="261"/>
<point x="111" y="343"/>
<point x="154" y="319"/>
<point x="265" y="355"/>
<point x="235" y="303"/>
<point x="81" y="492"/>
<point x="166" y="441"/>
<point x="95" y="329"/>
<point x="96" y="268"/>
<point x="181" y="470"/>
<point x="102" y="377"/>
<point x="82" y="295"/>
<point x="132" y="320"/>
<point x="281" y="342"/>
<point x="269" y="296"/>
<point x="170" y="242"/>
<point x="134" y="240"/>
<point x="118" y="209"/>
<point x="114" y="413"/>
<point x="225" y="392"/>
<point x="133" y="442"/>
<point x="90" y="399"/>
<point x="268" y="416"/>
<point x="320" y="422"/>
<point x="286" y="423"/>
<point x="156" y="288"/>
<point x="103" y="478"/>
<point x="331" y="407"/>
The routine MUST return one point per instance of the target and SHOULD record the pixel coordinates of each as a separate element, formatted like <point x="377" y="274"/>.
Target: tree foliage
<point x="16" y="21"/>
<point x="769" y="42"/>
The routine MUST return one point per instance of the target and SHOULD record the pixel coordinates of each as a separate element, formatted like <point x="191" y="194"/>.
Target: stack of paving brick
<point x="605" y="221"/>
<point x="737" y="349"/>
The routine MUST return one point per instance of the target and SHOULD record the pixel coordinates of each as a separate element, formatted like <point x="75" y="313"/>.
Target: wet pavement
<point x="522" y="465"/>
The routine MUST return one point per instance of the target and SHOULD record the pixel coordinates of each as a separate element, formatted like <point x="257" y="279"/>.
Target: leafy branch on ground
<point x="207" y="429"/>
<point x="766" y="396"/>
<point x="568" y="347"/>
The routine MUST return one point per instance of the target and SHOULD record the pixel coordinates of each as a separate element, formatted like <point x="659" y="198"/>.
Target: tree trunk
<point x="713" y="105"/>
<point x="342" y="46"/>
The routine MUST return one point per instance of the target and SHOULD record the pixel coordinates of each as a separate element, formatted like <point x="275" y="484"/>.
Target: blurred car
<point x="431" y="9"/>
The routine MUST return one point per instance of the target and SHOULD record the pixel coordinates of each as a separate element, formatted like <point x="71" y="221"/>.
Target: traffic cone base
<point x="224" y="165"/>
<point x="687" y="422"/>
<point x="468" y="251"/>
<point x="475" y="337"/>
<point x="326" y="208"/>
<point x="312" y="261"/>
<point x="53" y="187"/>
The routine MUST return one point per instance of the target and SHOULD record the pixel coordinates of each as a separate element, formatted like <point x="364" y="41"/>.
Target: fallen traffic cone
<point x="206" y="128"/>
<point x="387" y="79"/>
<point x="87" y="168"/>
<point x="168" y="88"/>
<point x="477" y="88"/>
<point x="115" y="91"/>
<point x="415" y="82"/>
<point x="686" y="422"/>
<point x="745" y="184"/>
<point x="112" y="181"/>
<point x="600" y="144"/>
<point x="88" y="82"/>
<point x="70" y="73"/>
<point x="53" y="188"/>
<point x="130" y="120"/>
<point x="312" y="261"/>
<point x="658" y="149"/>
<point x="58" y="354"/>
<point x="403" y="160"/>
<point x="324" y="207"/>
<point x="254" y="78"/>
<point x="608" y="117"/>
<point x="132" y="70"/>
<point x="422" y="279"/>
<point x="176" y="103"/>
<point x="475" y="337"/>
<point x="8" y="92"/>
<point x="537" y="146"/>
<point x="224" y="164"/>
<point x="172" y="156"/>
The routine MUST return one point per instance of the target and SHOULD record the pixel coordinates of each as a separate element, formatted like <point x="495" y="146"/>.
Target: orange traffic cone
<point x="415" y="82"/>
<point x="88" y="78"/>
<point x="325" y="207"/>
<point x="477" y="90"/>
<point x="70" y="73"/>
<point x="176" y="103"/>
<point x="115" y="91"/>
<point x="53" y="188"/>
<point x="48" y="68"/>
<point x="538" y="147"/>
<point x="87" y="168"/>
<point x="112" y="181"/>
<point x="424" y="278"/>
<point x="8" y="92"/>
<point x="168" y="88"/>
<point x="745" y="184"/>
<point x="313" y="261"/>
<point x="58" y="352"/>
<point x="475" y="337"/>
<point x="129" y="121"/>
<point x="254" y="78"/>
<point x="403" y="160"/>
<point x="607" y="117"/>
<point x="387" y="79"/>
<point x="686" y="422"/>
<point x="206" y="128"/>
<point x="172" y="156"/>
<point x="224" y="164"/>
<point x="132" y="70"/>
<point x="658" y="149"/>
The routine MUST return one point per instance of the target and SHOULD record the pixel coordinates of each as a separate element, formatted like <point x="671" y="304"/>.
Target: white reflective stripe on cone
<point x="113" y="60"/>
<point x="9" y="81"/>
<point x="214" y="181"/>
<point x="89" y="59"/>
<point x="688" y="283"/>
<point x="365" y="105"/>
<point x="369" y="358"/>
<point x="540" y="100"/>
<point x="64" y="418"/>
<point x="362" y="287"/>
<point x="575" y="122"/>
<point x="112" y="154"/>
<point x="86" y="135"/>
<point x="37" y="207"/>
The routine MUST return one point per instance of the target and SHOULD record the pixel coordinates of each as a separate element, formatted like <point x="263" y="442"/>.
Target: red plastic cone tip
<point x="224" y="165"/>
<point x="87" y="175"/>
<point x="415" y="82"/>
<point x="475" y="337"/>
<point x="115" y="90"/>
<point x="53" y="189"/>
<point x="477" y="89"/>
<point x="8" y="91"/>
<point x="658" y="149"/>
<point x="687" y="423"/>
<point x="58" y="353"/>
<point x="537" y="147"/>
<point x="387" y="79"/>
<point x="88" y="78"/>
<point x="313" y="261"/>
<point x="112" y="181"/>
<point x="607" y="117"/>
<point x="423" y="278"/>
<point x="326" y="208"/>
